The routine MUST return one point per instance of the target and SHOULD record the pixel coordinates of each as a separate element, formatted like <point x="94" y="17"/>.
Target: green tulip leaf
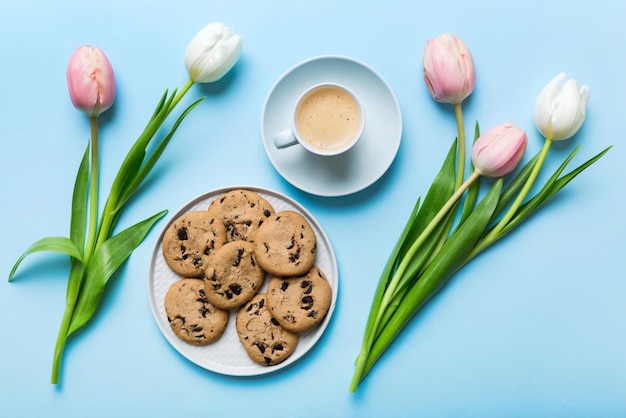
<point x="74" y="280"/>
<point x="131" y="166"/>
<point x="436" y="197"/>
<point x="78" y="224"/>
<point x="60" y="245"/>
<point x="154" y="157"/>
<point x="78" y="221"/>
<point x="438" y="194"/>
<point x="104" y="263"/>
<point x="135" y="168"/>
<point x="439" y="272"/>
<point x="74" y="245"/>
<point x="551" y="187"/>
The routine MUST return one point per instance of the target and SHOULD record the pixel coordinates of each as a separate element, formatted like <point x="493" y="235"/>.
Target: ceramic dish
<point x="362" y="165"/>
<point x="227" y="355"/>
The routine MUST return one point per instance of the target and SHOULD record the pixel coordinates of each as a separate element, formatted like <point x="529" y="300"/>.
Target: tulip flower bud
<point x="212" y="53"/>
<point x="448" y="69"/>
<point x="498" y="150"/>
<point x="90" y="81"/>
<point x="560" y="108"/>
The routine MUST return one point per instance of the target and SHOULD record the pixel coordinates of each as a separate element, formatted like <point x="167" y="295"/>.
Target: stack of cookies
<point x="225" y="255"/>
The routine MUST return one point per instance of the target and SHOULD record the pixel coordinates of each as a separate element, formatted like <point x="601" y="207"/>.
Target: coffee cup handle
<point x="284" y="139"/>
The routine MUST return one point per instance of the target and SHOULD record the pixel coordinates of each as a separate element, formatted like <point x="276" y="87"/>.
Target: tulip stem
<point x="93" y="191"/>
<point x="180" y="95"/>
<point x="458" y="113"/>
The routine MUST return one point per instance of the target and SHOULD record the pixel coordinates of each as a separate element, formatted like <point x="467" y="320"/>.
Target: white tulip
<point x="560" y="108"/>
<point x="212" y="53"/>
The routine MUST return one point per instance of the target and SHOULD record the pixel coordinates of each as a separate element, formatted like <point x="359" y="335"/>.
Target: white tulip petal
<point x="212" y="53"/>
<point x="583" y="93"/>
<point x="543" y="104"/>
<point x="560" y="108"/>
<point x="565" y="111"/>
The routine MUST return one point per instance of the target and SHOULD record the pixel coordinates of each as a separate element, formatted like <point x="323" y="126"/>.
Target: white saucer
<point x="360" y="166"/>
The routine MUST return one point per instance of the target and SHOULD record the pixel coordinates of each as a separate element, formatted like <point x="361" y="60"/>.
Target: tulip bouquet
<point x="452" y="225"/>
<point x="95" y="251"/>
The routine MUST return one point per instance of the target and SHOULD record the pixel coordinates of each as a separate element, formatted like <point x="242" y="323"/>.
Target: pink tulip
<point x="90" y="81"/>
<point x="448" y="69"/>
<point x="498" y="151"/>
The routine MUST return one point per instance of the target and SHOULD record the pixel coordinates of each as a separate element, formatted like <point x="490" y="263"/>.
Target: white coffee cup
<point x="327" y="120"/>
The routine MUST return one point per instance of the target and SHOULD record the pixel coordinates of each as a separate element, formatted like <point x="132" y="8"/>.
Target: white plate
<point x="227" y="355"/>
<point x="363" y="164"/>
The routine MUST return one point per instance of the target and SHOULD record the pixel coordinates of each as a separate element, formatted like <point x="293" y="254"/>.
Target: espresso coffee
<point x="328" y="118"/>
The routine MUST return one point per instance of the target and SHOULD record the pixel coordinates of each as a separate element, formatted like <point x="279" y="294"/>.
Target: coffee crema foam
<point x="328" y="118"/>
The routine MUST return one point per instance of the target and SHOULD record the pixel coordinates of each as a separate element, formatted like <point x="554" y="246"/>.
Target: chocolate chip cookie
<point x="285" y="244"/>
<point x="265" y="341"/>
<point x="242" y="212"/>
<point x="192" y="318"/>
<point x="299" y="303"/>
<point x="189" y="240"/>
<point x="233" y="275"/>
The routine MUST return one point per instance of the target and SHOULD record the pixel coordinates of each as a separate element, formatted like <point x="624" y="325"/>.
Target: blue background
<point x="533" y="327"/>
